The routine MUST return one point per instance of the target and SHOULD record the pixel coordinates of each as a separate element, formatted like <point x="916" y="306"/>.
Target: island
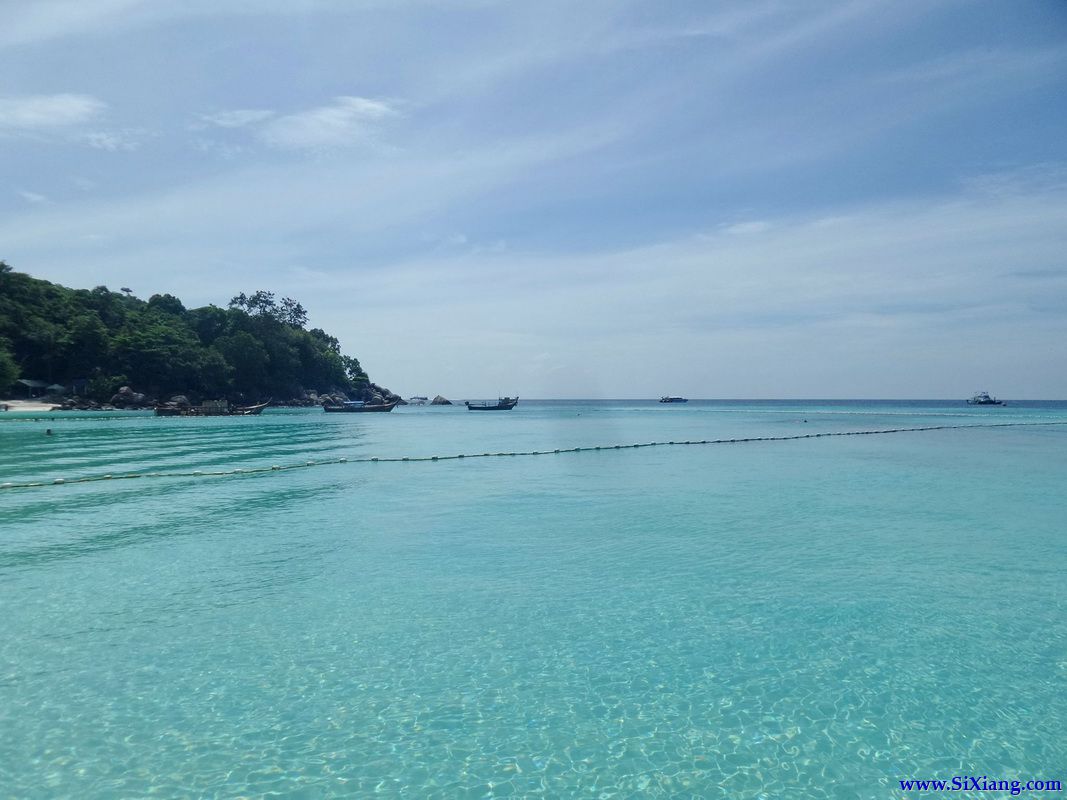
<point x="90" y="348"/>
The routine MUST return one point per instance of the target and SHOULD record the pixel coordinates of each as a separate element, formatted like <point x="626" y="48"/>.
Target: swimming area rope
<point x="558" y="451"/>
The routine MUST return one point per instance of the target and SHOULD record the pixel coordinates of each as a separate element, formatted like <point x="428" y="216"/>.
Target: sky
<point x="622" y="199"/>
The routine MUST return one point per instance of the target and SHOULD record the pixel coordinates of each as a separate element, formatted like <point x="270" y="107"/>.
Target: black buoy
<point x="48" y="432"/>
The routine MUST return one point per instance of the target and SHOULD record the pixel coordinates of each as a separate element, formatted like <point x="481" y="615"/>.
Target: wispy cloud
<point x="746" y="228"/>
<point x="238" y="118"/>
<point x="932" y="283"/>
<point x="114" y="141"/>
<point x="27" y="23"/>
<point x="33" y="197"/>
<point x="44" y="112"/>
<point x="344" y="122"/>
<point x="348" y="120"/>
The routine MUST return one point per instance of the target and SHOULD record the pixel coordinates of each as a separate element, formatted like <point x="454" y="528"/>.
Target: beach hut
<point x="56" y="388"/>
<point x="31" y="385"/>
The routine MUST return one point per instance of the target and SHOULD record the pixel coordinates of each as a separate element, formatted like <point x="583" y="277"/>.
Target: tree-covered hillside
<point x="255" y="348"/>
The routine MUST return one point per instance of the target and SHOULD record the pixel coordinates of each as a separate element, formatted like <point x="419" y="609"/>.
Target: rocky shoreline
<point x="126" y="399"/>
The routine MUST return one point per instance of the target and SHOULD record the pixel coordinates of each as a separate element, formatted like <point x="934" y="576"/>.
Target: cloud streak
<point x="238" y="118"/>
<point x="345" y="122"/>
<point x="47" y="112"/>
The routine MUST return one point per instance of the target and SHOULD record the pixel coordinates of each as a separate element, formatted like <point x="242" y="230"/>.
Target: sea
<point x="790" y="614"/>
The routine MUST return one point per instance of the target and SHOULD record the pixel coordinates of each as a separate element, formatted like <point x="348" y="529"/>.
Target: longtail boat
<point x="211" y="408"/>
<point x="502" y="404"/>
<point x="358" y="406"/>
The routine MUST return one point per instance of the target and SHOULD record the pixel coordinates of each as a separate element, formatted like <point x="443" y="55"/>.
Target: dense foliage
<point x="257" y="347"/>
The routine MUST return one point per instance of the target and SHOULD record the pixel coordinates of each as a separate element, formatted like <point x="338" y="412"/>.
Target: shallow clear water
<point x="802" y="619"/>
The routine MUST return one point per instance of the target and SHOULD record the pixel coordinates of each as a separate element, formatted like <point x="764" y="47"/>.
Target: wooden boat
<point x="502" y="404"/>
<point x="211" y="408"/>
<point x="358" y="406"/>
<point x="249" y="411"/>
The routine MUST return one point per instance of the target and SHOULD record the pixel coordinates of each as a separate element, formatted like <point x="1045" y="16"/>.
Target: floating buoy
<point x="343" y="460"/>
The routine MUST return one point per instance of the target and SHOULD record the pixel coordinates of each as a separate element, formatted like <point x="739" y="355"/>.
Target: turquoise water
<point x="800" y="619"/>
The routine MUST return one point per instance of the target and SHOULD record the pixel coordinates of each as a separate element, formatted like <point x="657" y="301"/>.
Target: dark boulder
<point x="440" y="401"/>
<point x="128" y="398"/>
<point x="373" y="393"/>
<point x="334" y="399"/>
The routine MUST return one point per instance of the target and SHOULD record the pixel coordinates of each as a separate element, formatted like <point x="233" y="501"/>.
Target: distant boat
<point x="417" y="400"/>
<point x="674" y="399"/>
<point x="357" y="406"/>
<point x="983" y="399"/>
<point x="211" y="408"/>
<point x="502" y="404"/>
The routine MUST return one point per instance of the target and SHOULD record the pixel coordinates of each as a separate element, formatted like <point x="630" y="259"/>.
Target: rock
<point x="373" y="393"/>
<point x="128" y="398"/>
<point x="334" y="399"/>
<point x="440" y="401"/>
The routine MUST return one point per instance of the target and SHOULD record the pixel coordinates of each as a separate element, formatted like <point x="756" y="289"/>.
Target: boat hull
<point x="504" y="404"/>
<point x="211" y="411"/>
<point x="382" y="407"/>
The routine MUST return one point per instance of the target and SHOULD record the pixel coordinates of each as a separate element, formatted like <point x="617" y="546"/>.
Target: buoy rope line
<point x="596" y="448"/>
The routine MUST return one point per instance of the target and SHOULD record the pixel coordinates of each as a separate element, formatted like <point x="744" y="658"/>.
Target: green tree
<point x="292" y="313"/>
<point x="257" y="346"/>
<point x="209" y="322"/>
<point x="84" y="345"/>
<point x="167" y="303"/>
<point x="9" y="370"/>
<point x="160" y="351"/>
<point x="248" y="359"/>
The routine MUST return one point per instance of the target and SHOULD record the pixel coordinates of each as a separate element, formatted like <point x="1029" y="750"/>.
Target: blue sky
<point x="596" y="199"/>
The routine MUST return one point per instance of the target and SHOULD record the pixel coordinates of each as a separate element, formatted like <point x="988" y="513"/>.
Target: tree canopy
<point x="255" y="347"/>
